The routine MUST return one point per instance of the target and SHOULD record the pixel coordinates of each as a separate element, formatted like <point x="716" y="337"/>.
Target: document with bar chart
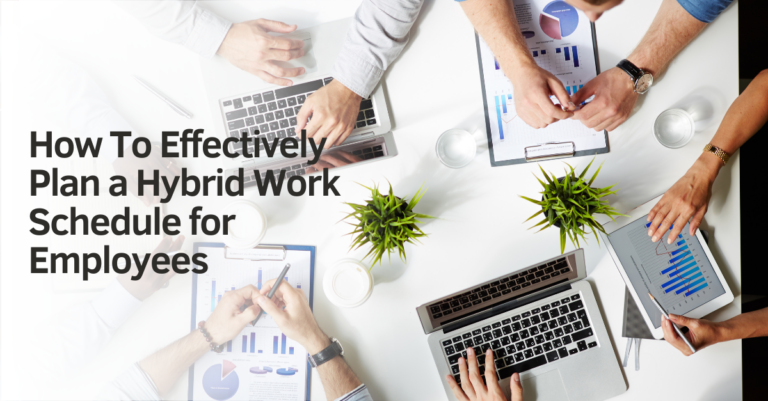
<point x="679" y="275"/>
<point x="561" y="41"/>
<point x="260" y="363"/>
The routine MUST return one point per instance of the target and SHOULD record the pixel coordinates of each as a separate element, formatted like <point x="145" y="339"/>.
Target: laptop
<point x="242" y="103"/>
<point x="542" y="321"/>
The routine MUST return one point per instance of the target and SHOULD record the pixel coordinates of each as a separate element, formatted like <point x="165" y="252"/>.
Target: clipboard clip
<point x="549" y="150"/>
<point x="262" y="252"/>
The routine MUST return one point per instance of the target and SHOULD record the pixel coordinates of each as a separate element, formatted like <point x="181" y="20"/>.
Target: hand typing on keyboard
<point x="250" y="47"/>
<point x="473" y="388"/>
<point x="333" y="111"/>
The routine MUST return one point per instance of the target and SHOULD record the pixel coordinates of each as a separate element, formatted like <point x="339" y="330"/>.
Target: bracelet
<point x="214" y="347"/>
<point x="723" y="155"/>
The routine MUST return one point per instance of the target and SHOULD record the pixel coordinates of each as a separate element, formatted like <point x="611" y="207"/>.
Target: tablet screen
<point x="679" y="275"/>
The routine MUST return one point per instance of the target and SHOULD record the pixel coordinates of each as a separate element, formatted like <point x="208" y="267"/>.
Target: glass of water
<point x="456" y="148"/>
<point x="674" y="128"/>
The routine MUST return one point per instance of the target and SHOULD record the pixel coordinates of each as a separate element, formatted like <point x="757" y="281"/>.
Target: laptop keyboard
<point x="527" y="340"/>
<point x="272" y="114"/>
<point x="504" y="286"/>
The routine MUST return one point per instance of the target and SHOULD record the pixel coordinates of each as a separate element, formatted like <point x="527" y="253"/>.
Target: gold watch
<point x="717" y="152"/>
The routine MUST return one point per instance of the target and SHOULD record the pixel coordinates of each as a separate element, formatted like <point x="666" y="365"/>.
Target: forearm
<point x="337" y="377"/>
<point x="745" y="116"/>
<point x="496" y="23"/>
<point x="746" y="325"/>
<point x="164" y="367"/>
<point x="671" y="30"/>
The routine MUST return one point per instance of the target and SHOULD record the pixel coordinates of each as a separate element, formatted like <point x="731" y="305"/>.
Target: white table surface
<point x="434" y="86"/>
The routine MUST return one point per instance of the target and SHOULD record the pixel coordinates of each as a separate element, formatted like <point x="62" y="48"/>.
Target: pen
<point x="164" y="98"/>
<point x="274" y="288"/>
<point x="677" y="329"/>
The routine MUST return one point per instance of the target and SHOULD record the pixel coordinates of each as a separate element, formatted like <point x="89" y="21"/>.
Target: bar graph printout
<point x="679" y="275"/>
<point x="560" y="39"/>
<point x="257" y="352"/>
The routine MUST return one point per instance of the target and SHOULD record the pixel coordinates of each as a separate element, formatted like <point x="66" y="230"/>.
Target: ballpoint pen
<point x="677" y="329"/>
<point x="164" y="98"/>
<point x="274" y="288"/>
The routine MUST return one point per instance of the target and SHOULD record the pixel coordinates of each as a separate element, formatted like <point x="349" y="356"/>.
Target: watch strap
<point x="723" y="155"/>
<point x="632" y="70"/>
<point x="330" y="352"/>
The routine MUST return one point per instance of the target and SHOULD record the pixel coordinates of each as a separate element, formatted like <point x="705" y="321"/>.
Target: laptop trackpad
<point x="545" y="387"/>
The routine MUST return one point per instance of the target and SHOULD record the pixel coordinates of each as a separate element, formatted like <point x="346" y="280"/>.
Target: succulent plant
<point x="386" y="222"/>
<point x="570" y="203"/>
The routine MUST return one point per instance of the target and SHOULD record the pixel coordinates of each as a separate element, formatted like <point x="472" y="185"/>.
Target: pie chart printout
<point x="217" y="384"/>
<point x="287" y="371"/>
<point x="558" y="19"/>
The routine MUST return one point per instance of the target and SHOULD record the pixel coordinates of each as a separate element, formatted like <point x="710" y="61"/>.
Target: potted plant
<point x="386" y="222"/>
<point x="570" y="203"/>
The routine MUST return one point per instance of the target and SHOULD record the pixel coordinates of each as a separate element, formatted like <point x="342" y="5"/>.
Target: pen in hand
<point x="677" y="329"/>
<point x="273" y="289"/>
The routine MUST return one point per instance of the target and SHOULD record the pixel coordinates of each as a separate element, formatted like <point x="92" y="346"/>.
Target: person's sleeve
<point x="704" y="10"/>
<point x="133" y="384"/>
<point x="378" y="34"/>
<point x="181" y="22"/>
<point x="359" y="394"/>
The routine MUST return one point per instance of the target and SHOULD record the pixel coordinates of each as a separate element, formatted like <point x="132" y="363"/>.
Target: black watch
<point x="642" y="80"/>
<point x="332" y="351"/>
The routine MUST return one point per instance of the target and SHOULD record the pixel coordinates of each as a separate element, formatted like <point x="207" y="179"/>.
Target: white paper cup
<point x="348" y="283"/>
<point x="248" y="228"/>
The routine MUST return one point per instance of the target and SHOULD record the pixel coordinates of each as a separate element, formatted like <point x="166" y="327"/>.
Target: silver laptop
<point x="242" y="103"/>
<point x="541" y="321"/>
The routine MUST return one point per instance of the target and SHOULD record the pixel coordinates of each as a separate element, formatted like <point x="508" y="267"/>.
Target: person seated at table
<point x="676" y="23"/>
<point x="688" y="199"/>
<point x="472" y="387"/>
<point x="154" y="375"/>
<point x="378" y="34"/>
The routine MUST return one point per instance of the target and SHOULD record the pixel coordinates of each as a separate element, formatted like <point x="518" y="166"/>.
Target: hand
<point x="290" y="310"/>
<point x="614" y="99"/>
<point x="235" y="310"/>
<point x="150" y="281"/>
<point x="249" y="47"/>
<point x="472" y="387"/>
<point x="337" y="158"/>
<point x="701" y="333"/>
<point x="533" y="86"/>
<point x="688" y="198"/>
<point x="333" y="109"/>
<point x="130" y="165"/>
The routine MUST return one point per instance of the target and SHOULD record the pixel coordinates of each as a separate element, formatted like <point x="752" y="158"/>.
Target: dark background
<point x="754" y="351"/>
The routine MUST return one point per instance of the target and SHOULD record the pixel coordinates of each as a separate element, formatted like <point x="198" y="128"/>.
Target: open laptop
<point x="243" y="103"/>
<point x="541" y="321"/>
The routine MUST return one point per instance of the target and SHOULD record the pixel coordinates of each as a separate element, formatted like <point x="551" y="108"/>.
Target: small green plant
<point x="570" y="203"/>
<point x="387" y="222"/>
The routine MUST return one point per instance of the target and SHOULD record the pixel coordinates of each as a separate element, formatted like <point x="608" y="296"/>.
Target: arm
<point x="671" y="30"/>
<point x="703" y="333"/>
<point x="379" y="32"/>
<point x="689" y="197"/>
<point x="496" y="23"/>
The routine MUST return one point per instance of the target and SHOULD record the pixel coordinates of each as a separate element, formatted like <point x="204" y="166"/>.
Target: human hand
<point x="337" y="158"/>
<point x="688" y="198"/>
<point x="129" y="166"/>
<point x="614" y="99"/>
<point x="236" y="309"/>
<point x="333" y="109"/>
<point x="533" y="86"/>
<point x="701" y="333"/>
<point x="249" y="47"/>
<point x="472" y="387"/>
<point x="290" y="310"/>
<point x="150" y="281"/>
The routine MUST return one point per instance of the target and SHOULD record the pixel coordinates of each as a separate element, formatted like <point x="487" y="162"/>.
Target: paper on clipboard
<point x="549" y="151"/>
<point x="260" y="363"/>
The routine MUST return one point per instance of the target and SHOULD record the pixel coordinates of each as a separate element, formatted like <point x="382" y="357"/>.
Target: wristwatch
<point x="330" y="352"/>
<point x="642" y="80"/>
<point x="723" y="155"/>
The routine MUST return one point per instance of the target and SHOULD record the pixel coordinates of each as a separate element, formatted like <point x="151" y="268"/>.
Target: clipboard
<point x="247" y="357"/>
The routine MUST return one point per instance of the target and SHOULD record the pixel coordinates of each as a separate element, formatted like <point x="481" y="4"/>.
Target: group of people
<point x="377" y="36"/>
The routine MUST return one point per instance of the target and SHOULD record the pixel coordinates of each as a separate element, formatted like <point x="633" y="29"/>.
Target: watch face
<point x="644" y="83"/>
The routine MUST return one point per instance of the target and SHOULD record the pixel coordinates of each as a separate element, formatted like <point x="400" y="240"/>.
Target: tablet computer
<point x="683" y="276"/>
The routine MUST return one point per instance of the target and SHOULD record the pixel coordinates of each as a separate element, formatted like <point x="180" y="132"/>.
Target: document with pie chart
<point x="560" y="39"/>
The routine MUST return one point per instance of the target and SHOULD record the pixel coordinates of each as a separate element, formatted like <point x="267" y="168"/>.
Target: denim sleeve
<point x="704" y="10"/>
